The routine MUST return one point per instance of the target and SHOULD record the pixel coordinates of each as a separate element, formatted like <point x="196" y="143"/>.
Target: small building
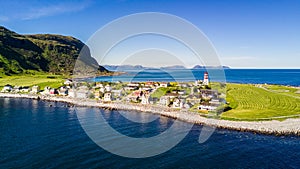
<point x="198" y="83"/>
<point x="107" y="97"/>
<point x="68" y="82"/>
<point x="108" y="88"/>
<point x="172" y="95"/>
<point x="209" y="107"/>
<point x="98" y="94"/>
<point x="164" y="100"/>
<point x="16" y="89"/>
<point x="145" y="98"/>
<point x="181" y="92"/>
<point x="215" y="101"/>
<point x="187" y="105"/>
<point x="35" y="89"/>
<point x="146" y="89"/>
<point x="177" y="103"/>
<point x="63" y="91"/>
<point x="209" y="94"/>
<point x="118" y="93"/>
<point x="149" y="84"/>
<point x="184" y="85"/>
<point x="194" y="99"/>
<point x="7" y="88"/>
<point x="53" y="91"/>
<point x="46" y="91"/>
<point x="99" y="85"/>
<point x="102" y="90"/>
<point x="132" y="86"/>
<point x="72" y="93"/>
<point x="25" y="89"/>
<point x="164" y="84"/>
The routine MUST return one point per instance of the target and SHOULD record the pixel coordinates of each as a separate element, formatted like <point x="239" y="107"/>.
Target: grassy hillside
<point x="55" y="54"/>
<point x="249" y="102"/>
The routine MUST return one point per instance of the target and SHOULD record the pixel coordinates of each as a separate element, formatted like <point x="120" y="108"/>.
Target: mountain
<point x="173" y="67"/>
<point x="140" y="67"/>
<point x="198" y="67"/>
<point x="124" y="67"/>
<point x="210" y="67"/>
<point x="55" y="54"/>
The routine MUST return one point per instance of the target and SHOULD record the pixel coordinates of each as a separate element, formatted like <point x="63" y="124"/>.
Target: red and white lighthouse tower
<point x="206" y="79"/>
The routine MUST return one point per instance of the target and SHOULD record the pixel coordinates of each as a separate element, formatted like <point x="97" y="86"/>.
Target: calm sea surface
<point x="34" y="134"/>
<point x="270" y="76"/>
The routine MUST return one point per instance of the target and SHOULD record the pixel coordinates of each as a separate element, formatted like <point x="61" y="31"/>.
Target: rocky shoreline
<point x="273" y="127"/>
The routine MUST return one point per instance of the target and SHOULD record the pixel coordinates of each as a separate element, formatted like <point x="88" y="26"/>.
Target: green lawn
<point x="31" y="80"/>
<point x="160" y="92"/>
<point x="249" y="102"/>
<point x="283" y="90"/>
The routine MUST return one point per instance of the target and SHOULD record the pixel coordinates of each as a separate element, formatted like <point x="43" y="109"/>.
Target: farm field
<point x="31" y="80"/>
<point x="261" y="102"/>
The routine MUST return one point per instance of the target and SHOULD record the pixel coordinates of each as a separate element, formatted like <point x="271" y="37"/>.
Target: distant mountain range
<point x="42" y="52"/>
<point x="210" y="67"/>
<point x="140" y="67"/>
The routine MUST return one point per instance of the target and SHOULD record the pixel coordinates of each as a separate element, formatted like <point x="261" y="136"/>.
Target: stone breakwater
<point x="286" y="127"/>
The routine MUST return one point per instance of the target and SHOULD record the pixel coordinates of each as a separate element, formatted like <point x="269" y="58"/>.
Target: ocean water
<point x="270" y="76"/>
<point x="34" y="134"/>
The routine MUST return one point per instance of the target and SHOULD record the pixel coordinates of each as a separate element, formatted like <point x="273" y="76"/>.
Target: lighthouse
<point x="206" y="80"/>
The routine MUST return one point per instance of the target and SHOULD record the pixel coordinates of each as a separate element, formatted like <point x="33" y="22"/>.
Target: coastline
<point x="273" y="127"/>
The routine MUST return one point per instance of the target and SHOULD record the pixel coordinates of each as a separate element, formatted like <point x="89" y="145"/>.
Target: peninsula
<point x="273" y="109"/>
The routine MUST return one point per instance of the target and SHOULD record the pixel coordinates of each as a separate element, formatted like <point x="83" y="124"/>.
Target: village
<point x="196" y="95"/>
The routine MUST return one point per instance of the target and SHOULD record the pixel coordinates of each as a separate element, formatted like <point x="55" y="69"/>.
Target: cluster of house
<point x="20" y="89"/>
<point x="203" y="98"/>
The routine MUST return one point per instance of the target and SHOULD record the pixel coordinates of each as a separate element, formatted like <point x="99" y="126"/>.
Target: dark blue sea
<point x="41" y="134"/>
<point x="253" y="76"/>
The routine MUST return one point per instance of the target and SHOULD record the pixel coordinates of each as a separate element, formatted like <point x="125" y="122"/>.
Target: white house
<point x="108" y="88"/>
<point x="25" y="89"/>
<point x="68" y="82"/>
<point x="7" y="88"/>
<point x="46" y="91"/>
<point x="117" y="93"/>
<point x="63" y="91"/>
<point x="181" y="92"/>
<point x="16" y="89"/>
<point x="164" y="100"/>
<point x="35" y="89"/>
<point x="107" y="97"/>
<point x="164" y="84"/>
<point x="176" y="103"/>
<point x="145" y="99"/>
<point x="71" y="93"/>
<point x="187" y="105"/>
<point x="102" y="90"/>
<point x="209" y="107"/>
<point x="215" y="101"/>
<point x="198" y="83"/>
<point x="99" y="85"/>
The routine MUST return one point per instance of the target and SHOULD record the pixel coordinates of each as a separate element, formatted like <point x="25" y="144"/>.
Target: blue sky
<point x="245" y="33"/>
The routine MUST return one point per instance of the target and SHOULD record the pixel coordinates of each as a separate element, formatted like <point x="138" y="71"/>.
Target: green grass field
<point x="31" y="80"/>
<point x="249" y="102"/>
